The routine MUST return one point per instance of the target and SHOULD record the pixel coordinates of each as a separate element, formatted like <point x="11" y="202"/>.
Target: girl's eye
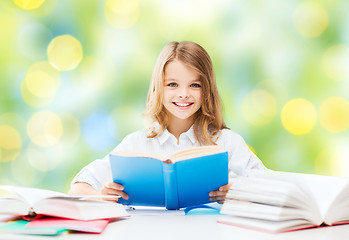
<point x="172" y="85"/>
<point x="196" y="85"/>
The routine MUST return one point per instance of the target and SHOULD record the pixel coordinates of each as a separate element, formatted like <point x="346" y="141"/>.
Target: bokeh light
<point x="29" y="4"/>
<point x="45" y="128"/>
<point x="335" y="62"/>
<point x="40" y="85"/>
<point x="340" y="165"/>
<point x="121" y="14"/>
<point x="259" y="107"/>
<point x="334" y="114"/>
<point x="310" y="19"/>
<point x="64" y="53"/>
<point x="10" y="138"/>
<point x="298" y="116"/>
<point x="333" y="160"/>
<point x="10" y="143"/>
<point x="96" y="132"/>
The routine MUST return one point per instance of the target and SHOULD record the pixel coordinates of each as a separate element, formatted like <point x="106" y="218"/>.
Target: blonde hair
<point x="209" y="119"/>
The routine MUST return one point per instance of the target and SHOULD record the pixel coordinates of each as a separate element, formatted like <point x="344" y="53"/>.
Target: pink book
<point x="90" y="226"/>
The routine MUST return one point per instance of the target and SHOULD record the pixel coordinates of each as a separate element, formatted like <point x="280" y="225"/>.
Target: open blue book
<point x="185" y="179"/>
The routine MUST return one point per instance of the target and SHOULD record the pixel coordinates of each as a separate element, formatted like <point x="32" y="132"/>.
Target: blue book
<point x="185" y="179"/>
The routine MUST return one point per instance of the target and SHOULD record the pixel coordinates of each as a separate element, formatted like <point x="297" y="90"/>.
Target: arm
<point x="81" y="188"/>
<point x="110" y="188"/>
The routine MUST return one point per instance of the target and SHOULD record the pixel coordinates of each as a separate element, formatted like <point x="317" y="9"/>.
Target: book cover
<point x="153" y="182"/>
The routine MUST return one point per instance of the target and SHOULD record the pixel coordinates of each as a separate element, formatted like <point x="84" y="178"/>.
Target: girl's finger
<point x="122" y="194"/>
<point x="114" y="185"/>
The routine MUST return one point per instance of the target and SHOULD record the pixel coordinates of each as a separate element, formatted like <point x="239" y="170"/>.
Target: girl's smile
<point x="183" y="104"/>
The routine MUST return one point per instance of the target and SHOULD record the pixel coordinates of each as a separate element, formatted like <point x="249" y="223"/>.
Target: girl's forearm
<point x="81" y="188"/>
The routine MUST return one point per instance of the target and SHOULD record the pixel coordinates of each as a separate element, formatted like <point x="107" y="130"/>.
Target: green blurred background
<point x="74" y="75"/>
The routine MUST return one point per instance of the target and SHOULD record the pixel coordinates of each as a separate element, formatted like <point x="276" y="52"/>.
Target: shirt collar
<point x="166" y="135"/>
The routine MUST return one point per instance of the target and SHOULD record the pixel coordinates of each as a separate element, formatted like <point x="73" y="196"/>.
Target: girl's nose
<point x="184" y="93"/>
<point x="183" y="96"/>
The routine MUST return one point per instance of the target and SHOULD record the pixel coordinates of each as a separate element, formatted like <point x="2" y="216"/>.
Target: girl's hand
<point x="112" y="188"/>
<point x="219" y="195"/>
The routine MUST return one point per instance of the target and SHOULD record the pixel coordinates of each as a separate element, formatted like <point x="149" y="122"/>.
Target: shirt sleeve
<point x="241" y="158"/>
<point x="96" y="173"/>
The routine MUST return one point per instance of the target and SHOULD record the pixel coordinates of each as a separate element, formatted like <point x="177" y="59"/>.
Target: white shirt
<point x="241" y="158"/>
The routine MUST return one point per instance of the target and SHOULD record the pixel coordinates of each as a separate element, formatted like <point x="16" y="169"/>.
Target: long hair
<point x="209" y="119"/>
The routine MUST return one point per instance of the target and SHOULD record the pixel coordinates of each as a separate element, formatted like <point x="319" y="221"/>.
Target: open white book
<point x="23" y="201"/>
<point x="280" y="201"/>
<point x="189" y="153"/>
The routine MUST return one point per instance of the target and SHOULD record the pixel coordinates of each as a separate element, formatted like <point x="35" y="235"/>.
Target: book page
<point x="323" y="190"/>
<point x="178" y="156"/>
<point x="140" y="154"/>
<point x="32" y="195"/>
<point x="196" y="152"/>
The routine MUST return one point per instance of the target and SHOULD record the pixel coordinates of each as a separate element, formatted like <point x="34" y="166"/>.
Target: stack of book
<point x="274" y="201"/>
<point x="38" y="211"/>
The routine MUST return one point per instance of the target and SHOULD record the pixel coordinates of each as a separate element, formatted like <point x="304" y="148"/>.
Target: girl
<point x="185" y="107"/>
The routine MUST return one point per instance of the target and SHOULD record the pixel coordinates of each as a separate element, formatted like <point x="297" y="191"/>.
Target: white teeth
<point x="182" y="104"/>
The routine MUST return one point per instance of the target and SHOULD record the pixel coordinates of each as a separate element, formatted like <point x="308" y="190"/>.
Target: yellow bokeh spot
<point x="29" y="4"/>
<point x="45" y="128"/>
<point x="33" y="100"/>
<point x="298" y="116"/>
<point x="334" y="114"/>
<point x="64" y="53"/>
<point x="333" y="161"/>
<point x="310" y="19"/>
<point x="9" y="138"/>
<point x="40" y="84"/>
<point x="335" y="62"/>
<point x="259" y="107"/>
<point x="121" y="14"/>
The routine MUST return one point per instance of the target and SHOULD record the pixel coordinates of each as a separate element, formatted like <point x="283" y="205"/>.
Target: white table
<point x="162" y="224"/>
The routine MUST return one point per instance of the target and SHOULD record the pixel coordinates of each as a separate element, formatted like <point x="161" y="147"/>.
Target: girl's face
<point x="182" y="91"/>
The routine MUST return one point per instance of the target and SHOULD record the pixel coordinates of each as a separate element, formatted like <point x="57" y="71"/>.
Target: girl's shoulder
<point x="137" y="135"/>
<point x="230" y="140"/>
<point x="227" y="133"/>
<point x="227" y="138"/>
